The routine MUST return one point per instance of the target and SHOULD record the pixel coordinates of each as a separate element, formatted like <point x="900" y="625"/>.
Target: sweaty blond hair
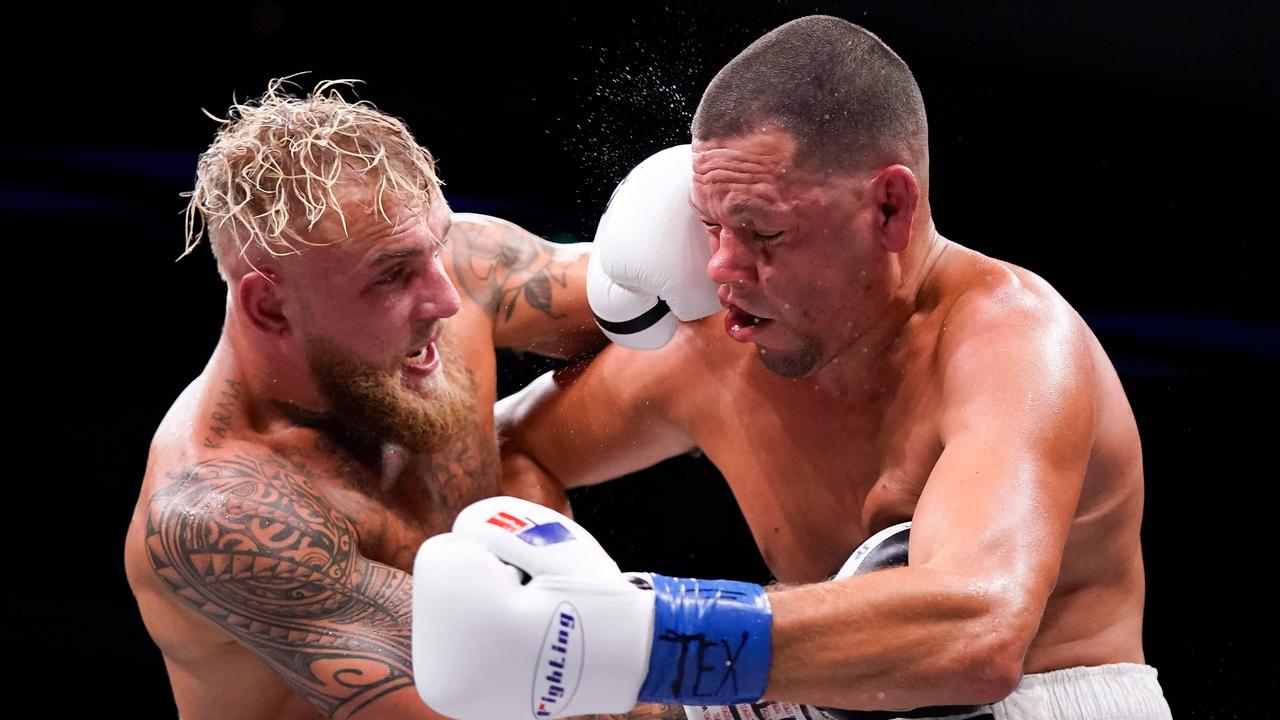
<point x="277" y="162"/>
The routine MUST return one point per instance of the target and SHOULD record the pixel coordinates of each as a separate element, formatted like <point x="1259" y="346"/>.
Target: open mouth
<point x="423" y="360"/>
<point x="742" y="325"/>
<point x="742" y="318"/>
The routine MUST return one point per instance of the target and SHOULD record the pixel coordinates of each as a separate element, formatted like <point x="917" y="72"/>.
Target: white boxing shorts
<point x="1123" y="691"/>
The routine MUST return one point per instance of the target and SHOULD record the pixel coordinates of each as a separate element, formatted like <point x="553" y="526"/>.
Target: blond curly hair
<point x="275" y="165"/>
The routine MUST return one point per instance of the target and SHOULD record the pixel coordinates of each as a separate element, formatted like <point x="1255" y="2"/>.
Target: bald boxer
<point x="344" y="416"/>
<point x="864" y="370"/>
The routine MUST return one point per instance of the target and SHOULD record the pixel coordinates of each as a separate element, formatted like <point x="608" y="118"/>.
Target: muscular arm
<point x="989" y="531"/>
<point x="243" y="540"/>
<point x="533" y="290"/>
<point x="590" y="423"/>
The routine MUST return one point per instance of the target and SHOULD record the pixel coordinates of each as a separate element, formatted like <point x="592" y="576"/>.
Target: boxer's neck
<point x="874" y="353"/>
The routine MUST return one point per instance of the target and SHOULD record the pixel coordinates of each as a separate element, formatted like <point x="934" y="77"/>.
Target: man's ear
<point x="895" y="194"/>
<point x="260" y="295"/>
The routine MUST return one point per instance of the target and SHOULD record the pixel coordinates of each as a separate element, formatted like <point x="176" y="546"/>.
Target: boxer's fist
<point x="533" y="538"/>
<point x="648" y="266"/>
<point x="520" y="613"/>
<point x="503" y="607"/>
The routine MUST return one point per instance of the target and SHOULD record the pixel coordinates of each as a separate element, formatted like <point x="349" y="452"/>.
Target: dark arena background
<point x="1124" y="151"/>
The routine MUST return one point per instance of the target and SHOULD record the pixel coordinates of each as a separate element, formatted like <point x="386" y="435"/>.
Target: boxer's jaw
<point x="368" y="401"/>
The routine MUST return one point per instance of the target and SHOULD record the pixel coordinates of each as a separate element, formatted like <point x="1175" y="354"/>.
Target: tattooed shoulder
<point x="246" y="542"/>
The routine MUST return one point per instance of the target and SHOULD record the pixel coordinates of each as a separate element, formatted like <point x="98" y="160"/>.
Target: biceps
<point x="339" y="646"/>
<point x="991" y="510"/>
<point x="1017" y="427"/>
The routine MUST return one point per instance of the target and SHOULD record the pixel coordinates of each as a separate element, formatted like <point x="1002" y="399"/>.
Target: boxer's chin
<point x="791" y="362"/>
<point x="423" y="414"/>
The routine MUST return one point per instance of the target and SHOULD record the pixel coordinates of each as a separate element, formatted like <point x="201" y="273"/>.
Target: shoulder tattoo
<point x="248" y="544"/>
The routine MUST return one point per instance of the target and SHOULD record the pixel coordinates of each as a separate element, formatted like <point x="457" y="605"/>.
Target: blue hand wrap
<point x="712" y="642"/>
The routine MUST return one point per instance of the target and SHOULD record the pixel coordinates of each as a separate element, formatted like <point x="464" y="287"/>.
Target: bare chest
<point x="815" y="474"/>
<point x="397" y="506"/>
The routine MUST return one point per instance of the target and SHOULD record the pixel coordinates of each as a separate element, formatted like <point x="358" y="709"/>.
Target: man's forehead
<point x="754" y="168"/>
<point x="768" y="149"/>
<point x="371" y="230"/>
<point x="756" y="175"/>
<point x="742" y="192"/>
<point x="367" y="210"/>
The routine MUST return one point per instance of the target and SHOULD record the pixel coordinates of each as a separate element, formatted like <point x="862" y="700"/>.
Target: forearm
<point x="565" y="327"/>
<point x="527" y="436"/>
<point x="523" y="477"/>
<point x="900" y="638"/>
<point x="588" y="423"/>
<point x="533" y="290"/>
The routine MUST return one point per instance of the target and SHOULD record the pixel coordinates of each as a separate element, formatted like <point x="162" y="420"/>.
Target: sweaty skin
<point x="868" y="371"/>
<point x="268" y="552"/>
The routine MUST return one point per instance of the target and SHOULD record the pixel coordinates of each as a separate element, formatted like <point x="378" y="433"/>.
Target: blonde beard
<point x="376" y="406"/>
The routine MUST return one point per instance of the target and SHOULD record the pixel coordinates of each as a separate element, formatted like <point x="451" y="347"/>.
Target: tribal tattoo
<point x="246" y="542"/>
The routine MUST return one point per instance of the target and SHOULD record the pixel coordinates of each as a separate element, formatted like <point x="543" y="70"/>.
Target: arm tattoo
<point x="247" y="543"/>
<point x="497" y="264"/>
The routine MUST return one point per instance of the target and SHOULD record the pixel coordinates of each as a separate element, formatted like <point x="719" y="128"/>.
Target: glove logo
<point x="530" y="532"/>
<point x="559" y="663"/>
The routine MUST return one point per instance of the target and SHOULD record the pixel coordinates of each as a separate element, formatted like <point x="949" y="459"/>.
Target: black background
<point x="1122" y="151"/>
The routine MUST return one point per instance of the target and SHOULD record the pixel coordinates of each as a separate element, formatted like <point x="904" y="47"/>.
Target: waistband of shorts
<point x="1119" y="690"/>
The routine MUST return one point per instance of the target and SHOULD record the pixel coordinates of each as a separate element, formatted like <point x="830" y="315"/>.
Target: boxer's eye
<point x="393" y="277"/>
<point x="772" y="236"/>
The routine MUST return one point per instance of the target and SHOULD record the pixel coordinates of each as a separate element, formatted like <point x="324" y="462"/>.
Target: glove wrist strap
<point x="712" y="642"/>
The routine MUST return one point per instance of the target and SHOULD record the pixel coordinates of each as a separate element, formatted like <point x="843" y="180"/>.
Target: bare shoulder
<point x="1011" y="352"/>
<point x="240" y="537"/>
<point x="1000" y="305"/>
<point x="211" y="520"/>
<point x="208" y="518"/>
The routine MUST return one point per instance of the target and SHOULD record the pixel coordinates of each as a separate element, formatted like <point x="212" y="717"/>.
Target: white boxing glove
<point x="520" y="613"/>
<point x="648" y="266"/>
<point x="534" y="538"/>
